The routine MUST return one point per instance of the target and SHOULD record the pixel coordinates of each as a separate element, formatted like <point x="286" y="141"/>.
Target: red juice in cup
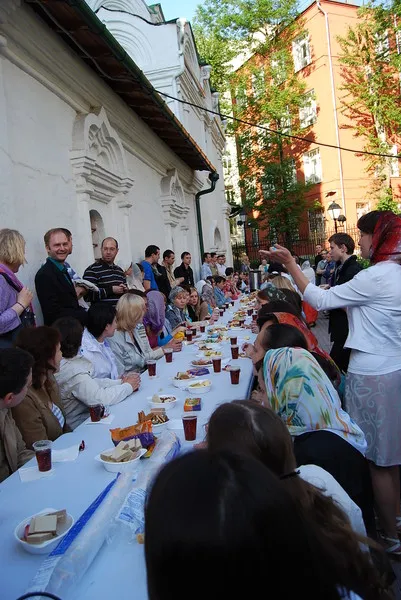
<point x="202" y="328"/>
<point x="194" y="331"/>
<point x="254" y="316"/>
<point x="216" y="360"/>
<point x="43" y="451"/>
<point x="151" y="364"/>
<point x="189" y="424"/>
<point x="234" y="352"/>
<point x="221" y="311"/>
<point x="96" y="412"/>
<point x="233" y="340"/>
<point x="168" y="353"/>
<point x="189" y="335"/>
<point x="234" y="374"/>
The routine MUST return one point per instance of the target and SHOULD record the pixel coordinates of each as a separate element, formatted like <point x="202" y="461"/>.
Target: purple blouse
<point x="9" y="319"/>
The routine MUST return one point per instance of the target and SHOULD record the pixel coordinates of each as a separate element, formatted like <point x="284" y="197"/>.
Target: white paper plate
<point x="48" y="546"/>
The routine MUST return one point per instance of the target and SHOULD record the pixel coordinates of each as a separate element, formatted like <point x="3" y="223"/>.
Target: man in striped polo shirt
<point x="106" y="275"/>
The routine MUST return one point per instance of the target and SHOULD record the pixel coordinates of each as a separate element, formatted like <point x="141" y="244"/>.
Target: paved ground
<point x="322" y="335"/>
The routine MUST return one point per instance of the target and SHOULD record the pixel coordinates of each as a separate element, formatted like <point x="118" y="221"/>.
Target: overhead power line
<point x="281" y="133"/>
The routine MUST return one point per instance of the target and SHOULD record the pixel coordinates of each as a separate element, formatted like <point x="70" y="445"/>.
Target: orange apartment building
<point x="340" y="176"/>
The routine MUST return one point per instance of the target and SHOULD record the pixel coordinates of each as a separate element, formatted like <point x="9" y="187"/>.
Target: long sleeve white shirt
<point x="373" y="302"/>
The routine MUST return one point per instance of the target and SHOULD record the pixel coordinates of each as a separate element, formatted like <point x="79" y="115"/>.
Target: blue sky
<point x="178" y="8"/>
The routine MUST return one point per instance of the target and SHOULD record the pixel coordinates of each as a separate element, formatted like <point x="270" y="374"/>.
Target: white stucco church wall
<point x="74" y="155"/>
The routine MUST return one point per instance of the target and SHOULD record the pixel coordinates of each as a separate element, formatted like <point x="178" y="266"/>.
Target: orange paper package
<point x="143" y="431"/>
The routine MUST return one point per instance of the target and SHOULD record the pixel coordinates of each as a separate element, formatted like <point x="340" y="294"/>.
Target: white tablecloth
<point x="119" y="568"/>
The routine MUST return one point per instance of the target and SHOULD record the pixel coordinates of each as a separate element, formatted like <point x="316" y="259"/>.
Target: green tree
<point x="266" y="91"/>
<point x="371" y="86"/>
<point x="218" y="53"/>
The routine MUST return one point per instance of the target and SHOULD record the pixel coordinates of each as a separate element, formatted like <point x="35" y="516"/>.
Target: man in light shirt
<point x="206" y="271"/>
<point x="221" y="265"/>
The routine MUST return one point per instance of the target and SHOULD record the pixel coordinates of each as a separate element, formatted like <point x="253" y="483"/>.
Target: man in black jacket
<point x="56" y="292"/>
<point x="184" y="270"/>
<point x="342" y="247"/>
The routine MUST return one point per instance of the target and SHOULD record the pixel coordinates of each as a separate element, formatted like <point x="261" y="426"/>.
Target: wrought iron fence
<point x="305" y="248"/>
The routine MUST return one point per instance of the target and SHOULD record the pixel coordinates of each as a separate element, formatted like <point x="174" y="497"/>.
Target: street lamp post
<point x="334" y="209"/>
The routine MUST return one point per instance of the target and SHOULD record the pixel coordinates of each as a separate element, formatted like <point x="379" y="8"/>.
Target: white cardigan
<point x="373" y="302"/>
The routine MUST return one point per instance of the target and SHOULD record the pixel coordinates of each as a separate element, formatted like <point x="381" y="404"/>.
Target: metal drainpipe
<point x="333" y="95"/>
<point x="213" y="176"/>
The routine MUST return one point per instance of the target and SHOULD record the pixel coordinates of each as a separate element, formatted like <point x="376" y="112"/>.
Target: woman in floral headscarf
<point x="299" y="391"/>
<point x="372" y="301"/>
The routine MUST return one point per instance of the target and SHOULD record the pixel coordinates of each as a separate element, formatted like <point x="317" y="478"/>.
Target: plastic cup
<point x="216" y="360"/>
<point x="96" y="412"/>
<point x="189" y="335"/>
<point x="189" y="424"/>
<point x="168" y="353"/>
<point x="232" y="302"/>
<point x="234" y="374"/>
<point x="151" y="365"/>
<point x="43" y="451"/>
<point x="249" y="311"/>
<point x="254" y="316"/>
<point x="234" y="352"/>
<point x="233" y="339"/>
<point x="194" y="332"/>
<point x="202" y="328"/>
<point x="221" y="311"/>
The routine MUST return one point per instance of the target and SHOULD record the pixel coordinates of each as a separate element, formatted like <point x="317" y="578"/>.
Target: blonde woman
<point x="130" y="343"/>
<point x="15" y="299"/>
<point x="283" y="283"/>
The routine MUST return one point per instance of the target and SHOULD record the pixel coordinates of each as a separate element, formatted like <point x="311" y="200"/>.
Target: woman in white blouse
<point x="100" y="325"/>
<point x="373" y="385"/>
<point x="79" y="389"/>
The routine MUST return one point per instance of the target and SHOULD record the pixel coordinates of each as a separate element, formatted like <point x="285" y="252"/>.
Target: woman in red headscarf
<point x="372" y="300"/>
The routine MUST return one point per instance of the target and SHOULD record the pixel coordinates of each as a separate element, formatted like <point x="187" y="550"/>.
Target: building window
<point x="255" y="236"/>
<point x="245" y="144"/>
<point x="382" y="46"/>
<point x="227" y="164"/>
<point x="316" y="221"/>
<point x="285" y="121"/>
<point x="279" y="72"/>
<point x="361" y="209"/>
<point x="312" y="166"/>
<point x="394" y="164"/>
<point x="258" y="83"/>
<point x="262" y="135"/>
<point x="308" y="113"/>
<point x="240" y="97"/>
<point x="301" y="53"/>
<point x="293" y="172"/>
<point x="398" y="40"/>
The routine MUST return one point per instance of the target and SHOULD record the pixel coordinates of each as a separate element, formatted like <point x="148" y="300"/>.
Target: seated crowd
<point x="282" y="473"/>
<point x="99" y="332"/>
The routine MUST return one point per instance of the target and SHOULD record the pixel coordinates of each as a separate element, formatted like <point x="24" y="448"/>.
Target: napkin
<point x="105" y="421"/>
<point x="32" y="473"/>
<point x="66" y="454"/>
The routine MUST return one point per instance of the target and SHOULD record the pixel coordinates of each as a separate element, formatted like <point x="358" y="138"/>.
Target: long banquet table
<point x="119" y="568"/>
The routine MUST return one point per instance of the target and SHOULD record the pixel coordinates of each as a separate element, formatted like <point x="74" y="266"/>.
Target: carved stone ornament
<point x="98" y="160"/>
<point x="173" y="199"/>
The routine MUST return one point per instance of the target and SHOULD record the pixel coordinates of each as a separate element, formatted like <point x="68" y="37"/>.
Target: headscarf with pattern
<point x="300" y="392"/>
